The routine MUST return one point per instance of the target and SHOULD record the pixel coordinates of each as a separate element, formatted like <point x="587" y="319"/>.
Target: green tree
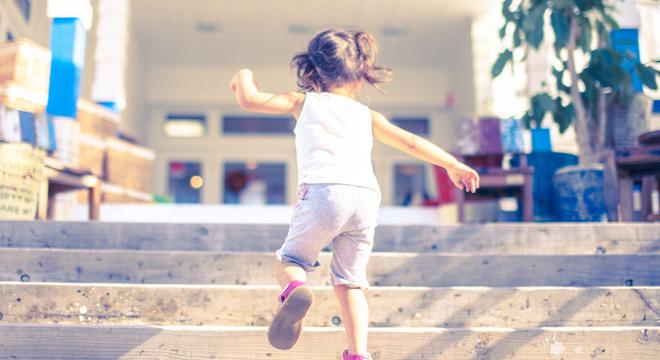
<point x="580" y="96"/>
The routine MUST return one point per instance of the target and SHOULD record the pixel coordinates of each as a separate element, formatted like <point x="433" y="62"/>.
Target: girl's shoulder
<point x="338" y="98"/>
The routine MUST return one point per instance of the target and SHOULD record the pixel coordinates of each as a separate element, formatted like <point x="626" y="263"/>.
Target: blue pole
<point x="626" y="41"/>
<point x="68" y="37"/>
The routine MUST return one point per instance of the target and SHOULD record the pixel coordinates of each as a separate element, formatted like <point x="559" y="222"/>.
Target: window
<point x="185" y="125"/>
<point x="10" y="36"/>
<point x="410" y="184"/>
<point x="265" y="125"/>
<point x="254" y="183"/>
<point x="419" y="126"/>
<point x="25" y="7"/>
<point x="185" y="182"/>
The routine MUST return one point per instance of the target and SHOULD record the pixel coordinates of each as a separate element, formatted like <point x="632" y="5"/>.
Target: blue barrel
<point x="541" y="140"/>
<point x="579" y="193"/>
<point x="545" y="165"/>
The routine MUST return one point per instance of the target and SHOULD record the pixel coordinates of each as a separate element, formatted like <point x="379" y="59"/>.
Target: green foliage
<point x="563" y="115"/>
<point x="647" y="74"/>
<point x="533" y="24"/>
<point x="560" y="24"/>
<point x="584" y="37"/>
<point x="586" y="5"/>
<point x="162" y="199"/>
<point x="559" y="78"/>
<point x="541" y="104"/>
<point x="505" y="57"/>
<point x="524" y="28"/>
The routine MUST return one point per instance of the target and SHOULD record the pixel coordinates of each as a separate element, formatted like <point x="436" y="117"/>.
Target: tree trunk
<point x="602" y="122"/>
<point x="580" y="122"/>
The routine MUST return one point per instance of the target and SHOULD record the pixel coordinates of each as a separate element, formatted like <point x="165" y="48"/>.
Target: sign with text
<point x="21" y="173"/>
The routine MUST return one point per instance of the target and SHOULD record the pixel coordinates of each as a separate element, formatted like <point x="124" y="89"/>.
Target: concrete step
<point x="111" y="304"/>
<point x="137" y="342"/>
<point x="385" y="269"/>
<point x="540" y="238"/>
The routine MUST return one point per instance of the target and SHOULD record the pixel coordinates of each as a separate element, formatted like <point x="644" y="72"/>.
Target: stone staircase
<point x="202" y="291"/>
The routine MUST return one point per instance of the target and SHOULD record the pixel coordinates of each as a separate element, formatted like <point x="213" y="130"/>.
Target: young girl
<point x="338" y="194"/>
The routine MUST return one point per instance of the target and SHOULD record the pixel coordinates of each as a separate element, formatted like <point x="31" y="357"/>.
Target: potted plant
<point x="582" y="91"/>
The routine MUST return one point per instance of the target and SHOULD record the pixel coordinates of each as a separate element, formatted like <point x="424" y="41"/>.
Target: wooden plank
<point x="528" y="198"/>
<point x="625" y="195"/>
<point x="648" y="186"/>
<point x="486" y="239"/>
<point x="103" y="304"/>
<point x="110" y="342"/>
<point x="94" y="201"/>
<point x="385" y="269"/>
<point x="640" y="159"/>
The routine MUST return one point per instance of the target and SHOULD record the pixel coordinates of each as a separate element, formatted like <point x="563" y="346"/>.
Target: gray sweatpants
<point x="342" y="215"/>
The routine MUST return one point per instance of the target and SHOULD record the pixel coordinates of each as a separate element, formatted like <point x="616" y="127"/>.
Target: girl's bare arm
<point x="461" y="175"/>
<point x="249" y="97"/>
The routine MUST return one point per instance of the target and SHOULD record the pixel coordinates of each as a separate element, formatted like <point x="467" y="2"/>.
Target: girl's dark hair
<point x="338" y="57"/>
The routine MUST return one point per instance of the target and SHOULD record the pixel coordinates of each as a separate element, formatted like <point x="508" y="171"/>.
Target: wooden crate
<point x="91" y="154"/>
<point x="25" y="63"/>
<point x="10" y="125"/>
<point x="67" y="139"/>
<point x="21" y="175"/>
<point x="128" y="165"/>
<point x="97" y="120"/>
<point x="23" y="98"/>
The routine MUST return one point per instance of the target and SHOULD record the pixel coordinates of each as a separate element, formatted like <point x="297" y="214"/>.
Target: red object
<point x="236" y="181"/>
<point x="450" y="101"/>
<point x="177" y="169"/>
<point x="444" y="185"/>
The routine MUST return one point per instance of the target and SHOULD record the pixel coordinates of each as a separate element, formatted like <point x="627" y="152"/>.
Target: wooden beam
<point x="485" y="239"/>
<point x="114" y="304"/>
<point x="115" y="342"/>
<point x="408" y="269"/>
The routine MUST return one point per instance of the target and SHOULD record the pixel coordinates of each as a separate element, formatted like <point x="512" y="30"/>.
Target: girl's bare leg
<point x="288" y="272"/>
<point x="355" y="316"/>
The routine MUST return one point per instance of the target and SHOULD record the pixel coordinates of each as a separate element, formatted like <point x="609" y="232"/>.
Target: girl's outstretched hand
<point x="464" y="177"/>
<point x="234" y="82"/>
<point x="244" y="75"/>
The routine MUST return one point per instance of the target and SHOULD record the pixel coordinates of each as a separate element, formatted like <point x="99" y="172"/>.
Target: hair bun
<point x="337" y="57"/>
<point x="316" y="57"/>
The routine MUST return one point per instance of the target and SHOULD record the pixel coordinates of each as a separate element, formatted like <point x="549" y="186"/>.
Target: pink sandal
<point x="296" y="300"/>
<point x="366" y="356"/>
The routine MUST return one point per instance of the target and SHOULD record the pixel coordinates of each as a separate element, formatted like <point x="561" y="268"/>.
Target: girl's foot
<point x="284" y="331"/>
<point x="366" y="356"/>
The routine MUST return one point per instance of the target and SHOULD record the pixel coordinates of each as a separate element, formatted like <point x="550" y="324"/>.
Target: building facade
<point x="178" y="57"/>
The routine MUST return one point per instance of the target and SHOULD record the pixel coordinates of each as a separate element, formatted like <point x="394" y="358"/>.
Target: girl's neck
<point x="348" y="91"/>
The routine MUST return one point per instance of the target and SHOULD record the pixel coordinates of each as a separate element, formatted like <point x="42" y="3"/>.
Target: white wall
<point x="87" y="79"/>
<point x="413" y="92"/>
<point x="204" y="84"/>
<point x="133" y="119"/>
<point x="37" y="29"/>
<point x="419" y="92"/>
<point x="461" y="70"/>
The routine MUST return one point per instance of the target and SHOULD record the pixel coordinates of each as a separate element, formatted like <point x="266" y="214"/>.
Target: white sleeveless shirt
<point x="334" y="140"/>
